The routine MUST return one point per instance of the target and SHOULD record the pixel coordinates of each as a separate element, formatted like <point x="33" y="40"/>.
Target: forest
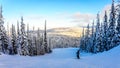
<point x="104" y="35"/>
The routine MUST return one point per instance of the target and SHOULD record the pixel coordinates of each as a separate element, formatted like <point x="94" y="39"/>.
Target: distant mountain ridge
<point x="68" y="31"/>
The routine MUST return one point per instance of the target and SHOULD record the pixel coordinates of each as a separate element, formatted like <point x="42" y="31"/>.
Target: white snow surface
<point x="64" y="58"/>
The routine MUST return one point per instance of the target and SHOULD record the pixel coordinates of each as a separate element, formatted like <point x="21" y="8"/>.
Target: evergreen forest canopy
<point x="105" y="35"/>
<point x="22" y="43"/>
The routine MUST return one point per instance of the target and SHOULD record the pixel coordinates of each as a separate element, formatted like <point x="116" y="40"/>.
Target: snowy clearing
<point x="63" y="58"/>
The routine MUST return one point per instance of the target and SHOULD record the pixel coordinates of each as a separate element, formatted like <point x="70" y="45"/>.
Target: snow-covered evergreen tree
<point x="82" y="42"/>
<point x="13" y="40"/>
<point x="3" y="35"/>
<point x="111" y="28"/>
<point x="18" y="43"/>
<point x="97" y="38"/>
<point x="87" y="39"/>
<point x="101" y="49"/>
<point x="38" y="42"/>
<point x="50" y="45"/>
<point x="105" y="29"/>
<point x="40" y="47"/>
<point x="93" y="30"/>
<point x="92" y="38"/>
<point x="47" y="48"/>
<point x="10" y="48"/>
<point x="23" y="39"/>
<point x="116" y="38"/>
<point x="34" y="49"/>
<point x="29" y="40"/>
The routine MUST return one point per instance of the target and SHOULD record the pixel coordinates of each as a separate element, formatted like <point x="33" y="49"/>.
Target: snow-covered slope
<point x="64" y="58"/>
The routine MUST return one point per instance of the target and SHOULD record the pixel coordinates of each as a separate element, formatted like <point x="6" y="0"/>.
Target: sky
<point x="58" y="13"/>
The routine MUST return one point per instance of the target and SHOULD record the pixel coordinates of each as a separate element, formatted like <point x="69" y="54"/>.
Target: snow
<point x="63" y="58"/>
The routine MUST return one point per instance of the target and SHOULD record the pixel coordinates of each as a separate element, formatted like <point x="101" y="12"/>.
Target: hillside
<point x="63" y="37"/>
<point x="70" y="31"/>
<point x="64" y="58"/>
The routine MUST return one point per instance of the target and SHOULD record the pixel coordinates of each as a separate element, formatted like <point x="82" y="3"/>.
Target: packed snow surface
<point x="64" y="58"/>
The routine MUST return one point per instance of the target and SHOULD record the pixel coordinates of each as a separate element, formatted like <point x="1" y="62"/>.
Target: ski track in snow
<point x="63" y="58"/>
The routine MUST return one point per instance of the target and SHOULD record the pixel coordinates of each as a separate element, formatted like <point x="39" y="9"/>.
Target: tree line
<point x="105" y="35"/>
<point x="23" y="42"/>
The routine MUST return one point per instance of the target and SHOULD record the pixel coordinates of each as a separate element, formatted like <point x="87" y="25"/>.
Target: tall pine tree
<point x="3" y="35"/>
<point x="87" y="39"/>
<point x="29" y="40"/>
<point x="23" y="39"/>
<point x="97" y="38"/>
<point x="82" y="42"/>
<point x="111" y="28"/>
<point x="13" y="40"/>
<point x="105" y="29"/>
<point x="117" y="35"/>
<point x="47" y="48"/>
<point x="92" y="38"/>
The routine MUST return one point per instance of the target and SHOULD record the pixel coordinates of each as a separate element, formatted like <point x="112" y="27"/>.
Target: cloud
<point x="87" y="18"/>
<point x="82" y="18"/>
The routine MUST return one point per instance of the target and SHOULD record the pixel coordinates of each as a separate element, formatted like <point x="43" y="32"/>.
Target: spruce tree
<point x="87" y="39"/>
<point x="42" y="48"/>
<point x="47" y="48"/>
<point x="38" y="42"/>
<point x="3" y="35"/>
<point x="117" y="35"/>
<point x="105" y="29"/>
<point x="23" y="39"/>
<point x="92" y="38"/>
<point x="29" y="40"/>
<point x="33" y="46"/>
<point x="10" y="48"/>
<point x="18" y="43"/>
<point x="111" y="28"/>
<point x="13" y="40"/>
<point x="97" y="38"/>
<point x="50" y="45"/>
<point x="82" y="43"/>
<point x="101" y="49"/>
